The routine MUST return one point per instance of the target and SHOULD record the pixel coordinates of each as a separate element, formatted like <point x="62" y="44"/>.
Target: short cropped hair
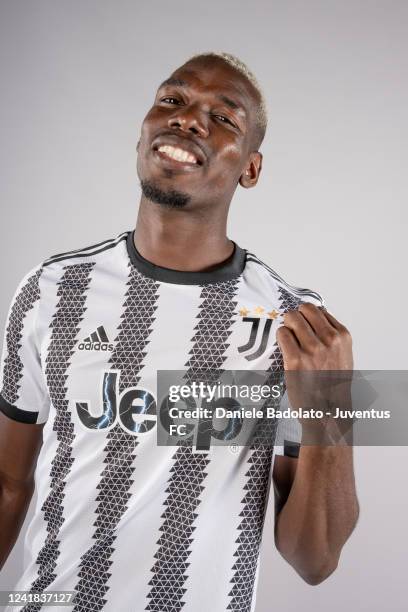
<point x="242" y="68"/>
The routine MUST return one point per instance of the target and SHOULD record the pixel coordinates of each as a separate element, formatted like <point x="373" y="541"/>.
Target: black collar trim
<point x="227" y="270"/>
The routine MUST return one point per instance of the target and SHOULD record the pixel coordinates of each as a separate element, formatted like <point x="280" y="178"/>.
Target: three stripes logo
<point x="97" y="341"/>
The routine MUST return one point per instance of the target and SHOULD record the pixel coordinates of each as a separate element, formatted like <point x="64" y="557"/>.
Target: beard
<point x="169" y="199"/>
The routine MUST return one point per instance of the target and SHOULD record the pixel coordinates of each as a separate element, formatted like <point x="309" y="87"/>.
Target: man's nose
<point x="189" y="120"/>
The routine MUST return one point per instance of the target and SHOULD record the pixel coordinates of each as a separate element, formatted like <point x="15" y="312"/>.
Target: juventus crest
<point x="259" y="332"/>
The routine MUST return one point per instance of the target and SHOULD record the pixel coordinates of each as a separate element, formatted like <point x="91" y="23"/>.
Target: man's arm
<point x="20" y="444"/>
<point x="316" y="501"/>
<point x="316" y="508"/>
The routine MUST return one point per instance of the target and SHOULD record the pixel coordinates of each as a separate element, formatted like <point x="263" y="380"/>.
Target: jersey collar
<point x="227" y="270"/>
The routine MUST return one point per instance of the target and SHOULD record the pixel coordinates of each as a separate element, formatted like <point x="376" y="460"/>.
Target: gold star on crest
<point x="243" y="312"/>
<point x="259" y="310"/>
<point x="274" y="314"/>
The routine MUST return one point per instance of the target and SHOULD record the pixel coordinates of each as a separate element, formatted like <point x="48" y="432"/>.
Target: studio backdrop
<point x="329" y="212"/>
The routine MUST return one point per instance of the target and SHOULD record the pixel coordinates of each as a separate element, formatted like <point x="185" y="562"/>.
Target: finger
<point x="289" y="347"/>
<point x="320" y="324"/>
<point x="333" y="321"/>
<point x="301" y="328"/>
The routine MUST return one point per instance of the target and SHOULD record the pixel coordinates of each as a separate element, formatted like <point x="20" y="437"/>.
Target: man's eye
<point x="223" y="119"/>
<point x="170" y="100"/>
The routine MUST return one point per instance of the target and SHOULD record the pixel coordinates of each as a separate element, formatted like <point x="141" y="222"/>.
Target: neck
<point x="182" y="239"/>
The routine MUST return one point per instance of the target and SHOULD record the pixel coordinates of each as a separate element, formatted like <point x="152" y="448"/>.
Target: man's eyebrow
<point x="229" y="102"/>
<point x="173" y="81"/>
<point x="181" y="83"/>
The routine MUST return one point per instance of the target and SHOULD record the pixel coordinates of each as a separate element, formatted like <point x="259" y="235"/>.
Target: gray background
<point x="329" y="212"/>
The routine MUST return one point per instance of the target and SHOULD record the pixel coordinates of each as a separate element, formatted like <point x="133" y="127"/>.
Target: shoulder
<point x="49" y="271"/>
<point x="291" y="293"/>
<point x="86" y="253"/>
<point x="85" y="257"/>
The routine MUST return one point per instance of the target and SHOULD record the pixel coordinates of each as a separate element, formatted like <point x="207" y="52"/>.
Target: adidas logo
<point x="97" y="341"/>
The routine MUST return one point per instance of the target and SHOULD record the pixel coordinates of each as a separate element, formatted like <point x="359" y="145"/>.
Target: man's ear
<point x="252" y="170"/>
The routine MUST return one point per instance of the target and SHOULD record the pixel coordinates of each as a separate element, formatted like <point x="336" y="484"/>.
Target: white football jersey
<point x="126" y="524"/>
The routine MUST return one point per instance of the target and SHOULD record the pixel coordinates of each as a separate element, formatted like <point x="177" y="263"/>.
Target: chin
<point x="164" y="195"/>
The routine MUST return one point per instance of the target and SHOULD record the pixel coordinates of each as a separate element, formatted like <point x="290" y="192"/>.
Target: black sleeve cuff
<point x="23" y="416"/>
<point x="291" y="449"/>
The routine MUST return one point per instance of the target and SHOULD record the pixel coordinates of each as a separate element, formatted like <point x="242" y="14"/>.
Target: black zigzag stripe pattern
<point x="213" y="328"/>
<point x="13" y="366"/>
<point x="257" y="487"/>
<point x="72" y="292"/>
<point x="116" y="479"/>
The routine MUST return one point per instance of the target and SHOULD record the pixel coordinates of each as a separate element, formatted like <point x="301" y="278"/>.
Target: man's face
<point x="196" y="139"/>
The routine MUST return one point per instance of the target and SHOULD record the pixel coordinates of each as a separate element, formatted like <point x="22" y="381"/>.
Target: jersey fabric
<point x="124" y="523"/>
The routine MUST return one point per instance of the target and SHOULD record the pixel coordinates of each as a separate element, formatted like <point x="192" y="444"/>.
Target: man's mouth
<point x="178" y="154"/>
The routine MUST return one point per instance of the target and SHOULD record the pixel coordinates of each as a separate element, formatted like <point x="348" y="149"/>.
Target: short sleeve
<point x="289" y="433"/>
<point x="23" y="393"/>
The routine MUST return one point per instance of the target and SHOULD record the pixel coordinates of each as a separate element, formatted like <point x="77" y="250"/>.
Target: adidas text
<point x="95" y="346"/>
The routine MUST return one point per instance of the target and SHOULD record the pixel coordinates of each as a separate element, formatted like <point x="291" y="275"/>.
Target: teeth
<point x="177" y="154"/>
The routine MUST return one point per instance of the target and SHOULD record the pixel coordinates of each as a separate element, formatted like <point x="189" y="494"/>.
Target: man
<point x="124" y="523"/>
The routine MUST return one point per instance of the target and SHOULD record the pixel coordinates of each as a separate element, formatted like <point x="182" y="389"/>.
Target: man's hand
<point x="312" y="339"/>
<point x="318" y="362"/>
